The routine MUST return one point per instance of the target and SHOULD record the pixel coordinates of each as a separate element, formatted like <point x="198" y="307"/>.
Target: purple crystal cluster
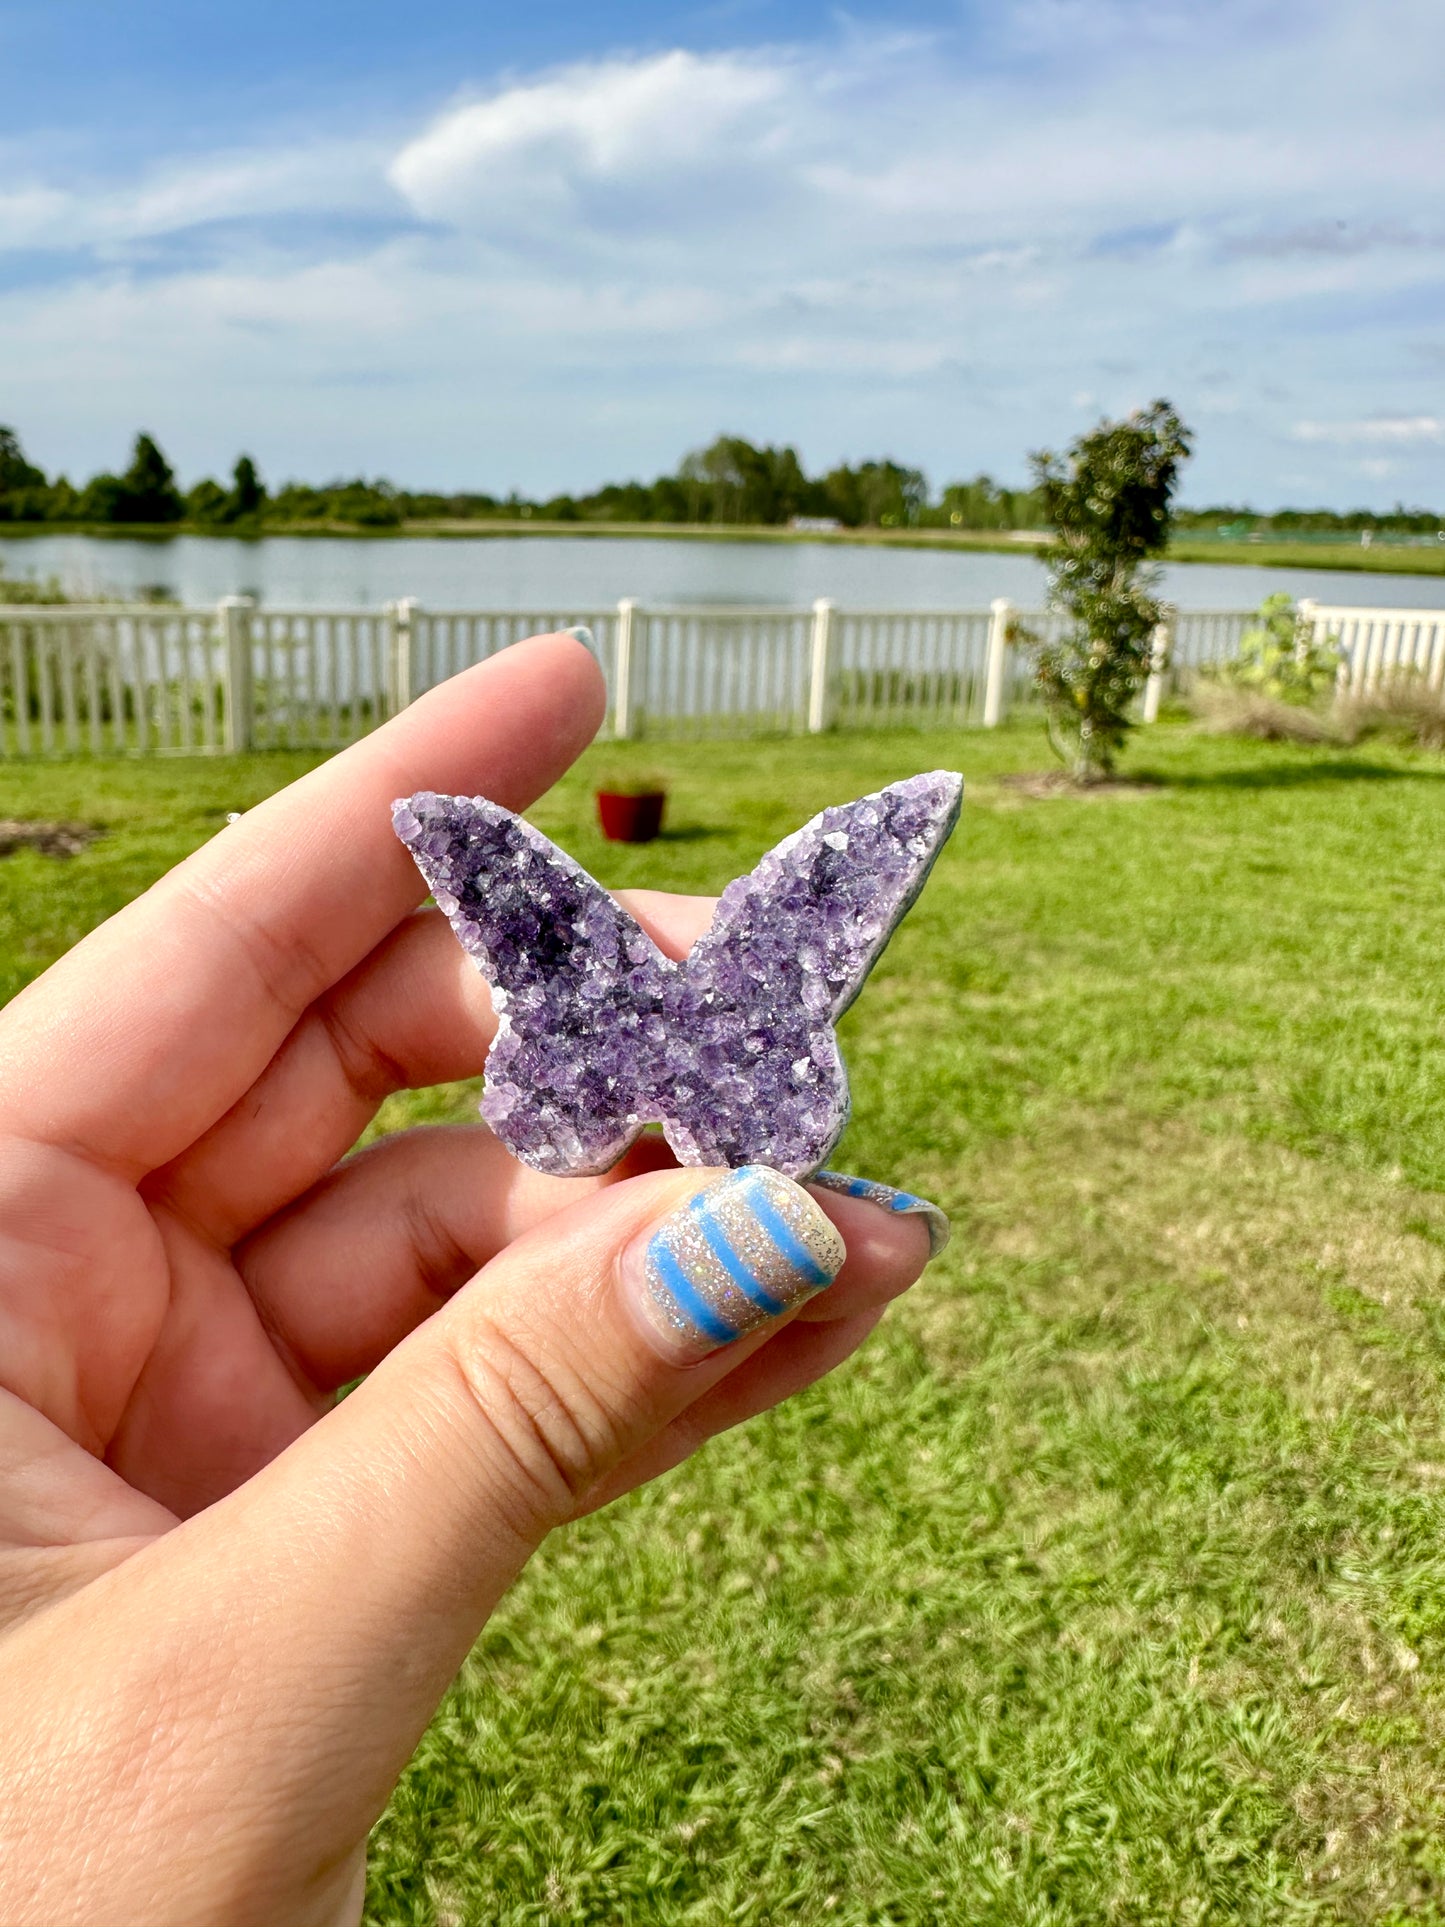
<point x="733" y="1052"/>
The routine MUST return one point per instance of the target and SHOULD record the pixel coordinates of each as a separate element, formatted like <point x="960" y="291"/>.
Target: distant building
<point x="815" y="524"/>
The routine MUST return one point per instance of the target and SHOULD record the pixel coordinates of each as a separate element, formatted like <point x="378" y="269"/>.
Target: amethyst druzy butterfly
<point x="733" y="1052"/>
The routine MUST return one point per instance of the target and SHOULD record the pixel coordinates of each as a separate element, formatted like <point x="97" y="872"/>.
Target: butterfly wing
<point x="577" y="985"/>
<point x="787" y="952"/>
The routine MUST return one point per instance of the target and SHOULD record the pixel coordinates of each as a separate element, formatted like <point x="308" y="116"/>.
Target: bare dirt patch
<point x="51" y="839"/>
<point x="1039" y="784"/>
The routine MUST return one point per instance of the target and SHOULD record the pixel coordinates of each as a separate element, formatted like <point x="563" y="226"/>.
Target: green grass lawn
<point x="1108" y="1583"/>
<point x="1278" y="552"/>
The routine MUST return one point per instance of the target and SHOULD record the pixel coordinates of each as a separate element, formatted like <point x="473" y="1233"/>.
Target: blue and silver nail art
<point x="741" y="1253"/>
<point x="888" y="1199"/>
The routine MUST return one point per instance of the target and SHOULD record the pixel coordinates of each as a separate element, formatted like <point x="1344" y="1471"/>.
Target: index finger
<point x="146" y="1033"/>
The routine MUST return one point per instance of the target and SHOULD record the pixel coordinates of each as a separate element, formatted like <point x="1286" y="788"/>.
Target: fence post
<point x="1162" y="641"/>
<point x="238" y="690"/>
<point x="399" y="653"/>
<point x="818" y="670"/>
<point x="1000" y="616"/>
<point x="622" y="670"/>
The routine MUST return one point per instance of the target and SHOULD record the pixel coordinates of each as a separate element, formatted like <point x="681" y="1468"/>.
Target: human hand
<point x="229" y="1605"/>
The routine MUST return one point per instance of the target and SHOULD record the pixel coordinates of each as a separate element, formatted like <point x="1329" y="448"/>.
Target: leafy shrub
<point x="1282" y="657"/>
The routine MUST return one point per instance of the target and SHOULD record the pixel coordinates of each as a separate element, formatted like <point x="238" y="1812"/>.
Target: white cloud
<point x="337" y="177"/>
<point x="30" y="215"/>
<point x="1397" y="431"/>
<point x="618" y="123"/>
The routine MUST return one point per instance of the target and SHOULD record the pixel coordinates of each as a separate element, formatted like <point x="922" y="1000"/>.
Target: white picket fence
<point x="77" y="680"/>
<point x="1378" y="646"/>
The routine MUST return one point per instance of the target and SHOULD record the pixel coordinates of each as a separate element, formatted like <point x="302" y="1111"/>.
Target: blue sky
<point x="546" y="247"/>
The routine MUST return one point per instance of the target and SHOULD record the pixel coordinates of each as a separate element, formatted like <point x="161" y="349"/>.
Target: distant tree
<point x="369" y="505"/>
<point x="15" y="470"/>
<point x="62" y="502"/>
<point x="617" y="502"/>
<point x="22" y="485"/>
<point x="732" y="481"/>
<point x="208" y="502"/>
<point x="1108" y="505"/>
<point x="983" y="504"/>
<point x="103" y="499"/>
<point x="298" y="502"/>
<point x="727" y="479"/>
<point x="875" y="495"/>
<point x="248" y="492"/>
<point x="789" y="490"/>
<point x="669" y="500"/>
<point x="148" y="487"/>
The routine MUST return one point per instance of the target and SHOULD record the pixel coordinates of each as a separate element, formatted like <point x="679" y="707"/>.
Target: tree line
<point x="730" y="483"/>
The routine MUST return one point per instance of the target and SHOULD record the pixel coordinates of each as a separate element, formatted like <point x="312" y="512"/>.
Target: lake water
<point x="548" y="572"/>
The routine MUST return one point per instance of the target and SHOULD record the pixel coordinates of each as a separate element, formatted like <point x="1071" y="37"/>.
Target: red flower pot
<point x="630" y="819"/>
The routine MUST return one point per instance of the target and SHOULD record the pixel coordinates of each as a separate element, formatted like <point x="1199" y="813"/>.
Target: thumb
<point x="427" y="1490"/>
<point x="319" y="1613"/>
<point x="589" y="1335"/>
<point x="576" y="1345"/>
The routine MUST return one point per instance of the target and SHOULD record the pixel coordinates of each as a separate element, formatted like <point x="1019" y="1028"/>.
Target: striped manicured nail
<point x="583" y="634"/>
<point x="738" y="1255"/>
<point x="903" y="1203"/>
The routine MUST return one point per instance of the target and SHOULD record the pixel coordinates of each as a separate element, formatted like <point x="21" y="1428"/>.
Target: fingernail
<point x="901" y="1203"/>
<point x="584" y="636"/>
<point x="734" y="1258"/>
